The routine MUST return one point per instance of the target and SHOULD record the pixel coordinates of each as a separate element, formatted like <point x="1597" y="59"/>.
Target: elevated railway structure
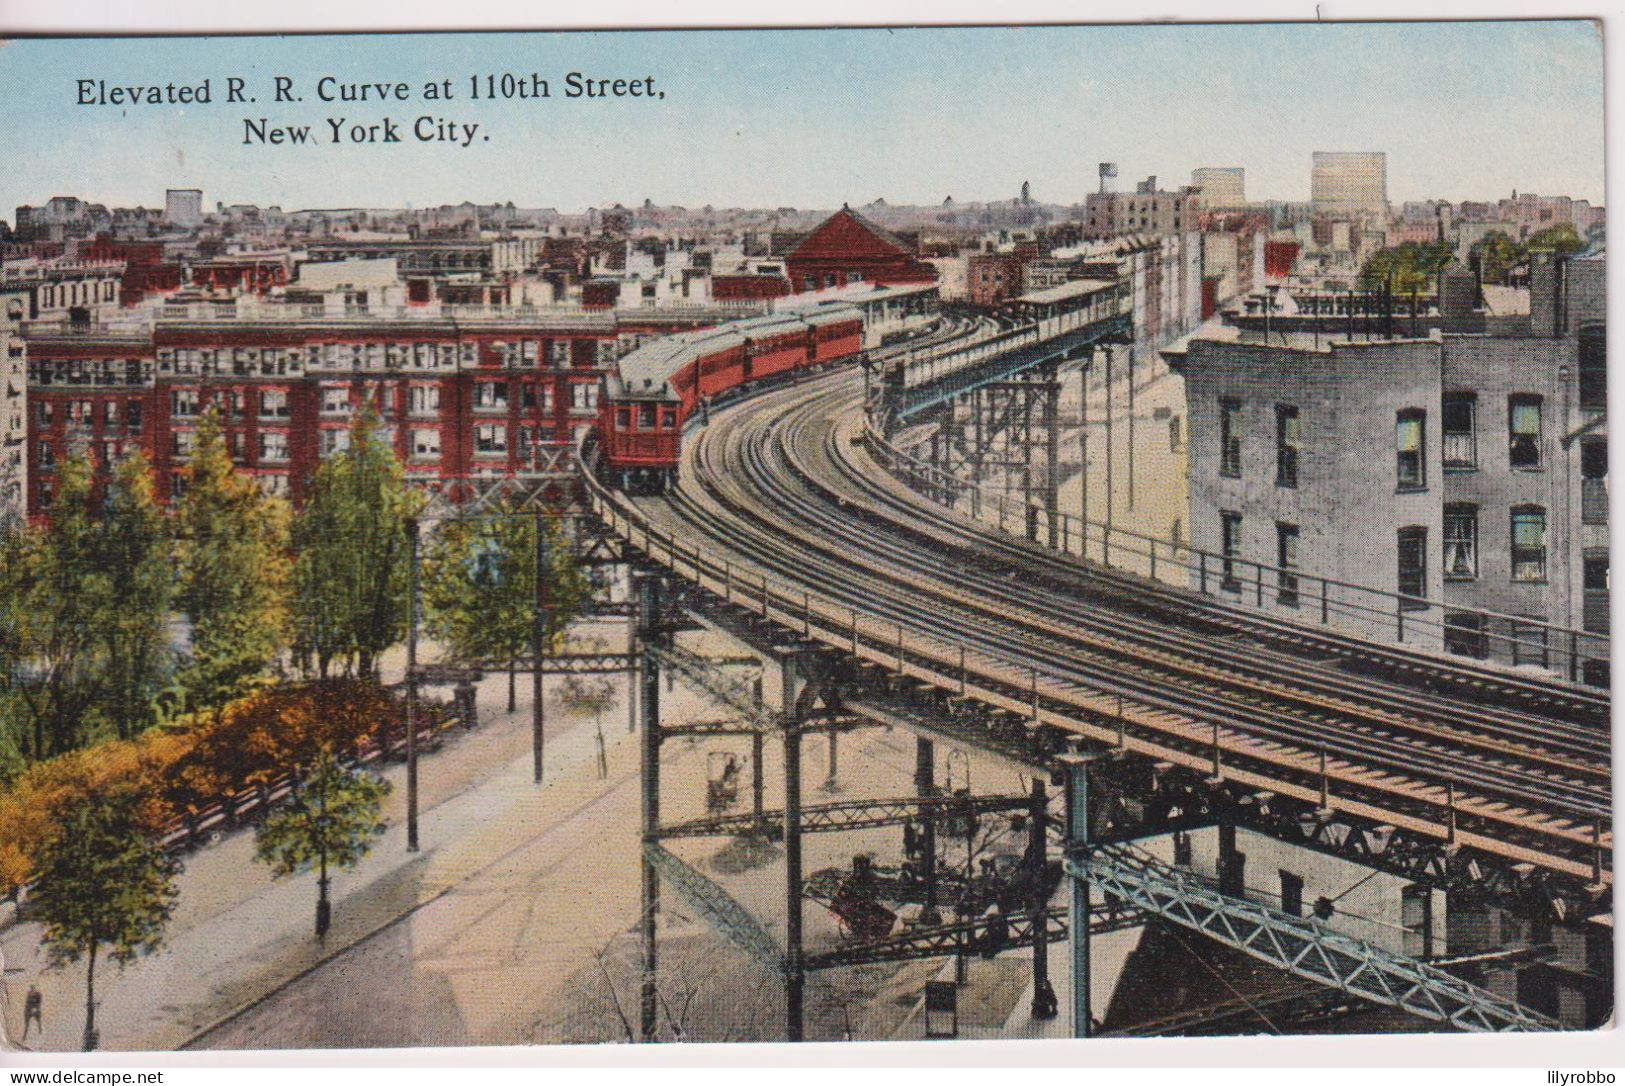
<point x="1164" y="709"/>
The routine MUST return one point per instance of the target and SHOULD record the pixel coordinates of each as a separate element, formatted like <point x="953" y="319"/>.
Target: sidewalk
<point x="236" y="934"/>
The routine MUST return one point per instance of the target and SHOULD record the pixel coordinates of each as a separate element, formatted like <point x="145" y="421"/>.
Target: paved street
<point x="237" y="934"/>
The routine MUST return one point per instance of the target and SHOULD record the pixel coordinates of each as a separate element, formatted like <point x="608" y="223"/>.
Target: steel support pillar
<point x="794" y="974"/>
<point x="925" y="785"/>
<point x="413" y="591"/>
<point x="632" y="680"/>
<point x="1052" y="477"/>
<point x="538" y="648"/>
<point x="1044" y="1004"/>
<point x="649" y="618"/>
<point x="1076" y="768"/>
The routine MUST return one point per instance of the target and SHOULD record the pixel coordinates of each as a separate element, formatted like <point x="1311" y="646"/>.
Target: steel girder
<point x="700" y="673"/>
<point x="716" y="907"/>
<point x="1302" y="946"/>
<point x="854" y="814"/>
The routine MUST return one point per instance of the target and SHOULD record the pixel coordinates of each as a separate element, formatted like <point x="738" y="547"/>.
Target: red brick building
<point x="745" y="288"/>
<point x="848" y="248"/>
<point x="145" y="270"/>
<point x="456" y="397"/>
<point x="994" y="278"/>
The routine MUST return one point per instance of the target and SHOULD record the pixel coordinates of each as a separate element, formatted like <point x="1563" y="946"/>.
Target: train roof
<point x="644" y="373"/>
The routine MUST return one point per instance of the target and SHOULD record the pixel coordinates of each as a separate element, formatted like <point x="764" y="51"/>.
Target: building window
<point x="1594" y="481"/>
<point x="132" y="415"/>
<point x="1529" y="543"/>
<point x="1291" y="894"/>
<point x="1460" y="542"/>
<point x="1230" y="546"/>
<point x="273" y="404"/>
<point x="336" y="401"/>
<point x="1464" y="635"/>
<point x="1460" y="441"/>
<point x="183" y="402"/>
<point x="1523" y="431"/>
<point x="426" y="444"/>
<point x="1286" y="445"/>
<point x="1182" y="849"/>
<point x="425" y="399"/>
<point x="1286" y="557"/>
<point x="334" y="441"/>
<point x="1411" y="445"/>
<point x="1529" y="644"/>
<point x="1594" y="367"/>
<point x="274" y="447"/>
<point x="491" y="395"/>
<point x="490" y="439"/>
<point x="1595" y="616"/>
<point x="1413" y="568"/>
<point x="1230" y="438"/>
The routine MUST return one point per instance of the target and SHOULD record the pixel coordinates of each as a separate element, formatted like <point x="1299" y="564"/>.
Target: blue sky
<point x="815" y="118"/>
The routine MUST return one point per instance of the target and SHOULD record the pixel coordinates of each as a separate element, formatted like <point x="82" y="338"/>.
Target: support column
<point x="538" y="646"/>
<point x="925" y="786"/>
<point x="794" y="976"/>
<point x="1083" y="458"/>
<point x="757" y="780"/>
<point x="1111" y="499"/>
<point x="832" y="781"/>
<point x="1077" y="851"/>
<point x="649" y="616"/>
<point x="412" y="689"/>
<point x="1052" y="478"/>
<point x="1044" y="1002"/>
<point x="632" y="680"/>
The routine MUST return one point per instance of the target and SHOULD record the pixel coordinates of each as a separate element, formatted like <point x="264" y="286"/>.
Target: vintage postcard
<point x="827" y="535"/>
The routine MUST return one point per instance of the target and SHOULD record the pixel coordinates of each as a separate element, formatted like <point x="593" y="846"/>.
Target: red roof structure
<point x="848" y="248"/>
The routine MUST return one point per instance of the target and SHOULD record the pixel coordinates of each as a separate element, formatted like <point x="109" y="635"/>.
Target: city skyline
<point x="828" y="119"/>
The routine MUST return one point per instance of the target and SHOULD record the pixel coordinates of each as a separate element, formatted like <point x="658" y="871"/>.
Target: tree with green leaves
<point x="1562" y="239"/>
<point x="56" y="670"/>
<point x="479" y="588"/>
<point x="328" y="822"/>
<point x="137" y="568"/>
<point x="1496" y="255"/>
<point x="1406" y="268"/>
<point x="105" y="881"/>
<point x="351" y="574"/>
<point x="232" y="554"/>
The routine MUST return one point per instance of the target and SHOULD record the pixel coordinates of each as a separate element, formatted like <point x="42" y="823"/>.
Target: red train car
<point x="656" y="388"/>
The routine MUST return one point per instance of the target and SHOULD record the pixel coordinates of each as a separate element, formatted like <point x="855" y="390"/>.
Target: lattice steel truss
<point x="1301" y="946"/>
<point x="853" y="814"/>
<point x="717" y="908"/>
<point x="700" y="673"/>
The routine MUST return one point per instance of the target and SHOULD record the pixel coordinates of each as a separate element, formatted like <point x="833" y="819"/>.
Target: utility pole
<point x="1131" y="427"/>
<point x="1110" y="411"/>
<point x="413" y="592"/>
<point x="538" y="636"/>
<point x="648" y="597"/>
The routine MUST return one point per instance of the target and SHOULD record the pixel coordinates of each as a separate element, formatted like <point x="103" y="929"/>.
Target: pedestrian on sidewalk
<point x="33" y="1010"/>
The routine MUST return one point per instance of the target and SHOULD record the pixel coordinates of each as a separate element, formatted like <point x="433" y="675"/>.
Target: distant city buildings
<point x="1220" y="188"/>
<point x="1350" y="184"/>
<point x="183" y="207"/>
<point x="1147" y="210"/>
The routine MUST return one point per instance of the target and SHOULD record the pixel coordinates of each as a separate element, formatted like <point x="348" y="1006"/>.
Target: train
<point x="654" y="390"/>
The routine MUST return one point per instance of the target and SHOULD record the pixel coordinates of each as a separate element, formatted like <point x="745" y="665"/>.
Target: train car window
<point x="623" y="418"/>
<point x="668" y="418"/>
<point x="646" y="416"/>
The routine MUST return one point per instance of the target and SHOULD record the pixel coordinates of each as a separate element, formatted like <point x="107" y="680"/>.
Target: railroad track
<point x="780" y="483"/>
